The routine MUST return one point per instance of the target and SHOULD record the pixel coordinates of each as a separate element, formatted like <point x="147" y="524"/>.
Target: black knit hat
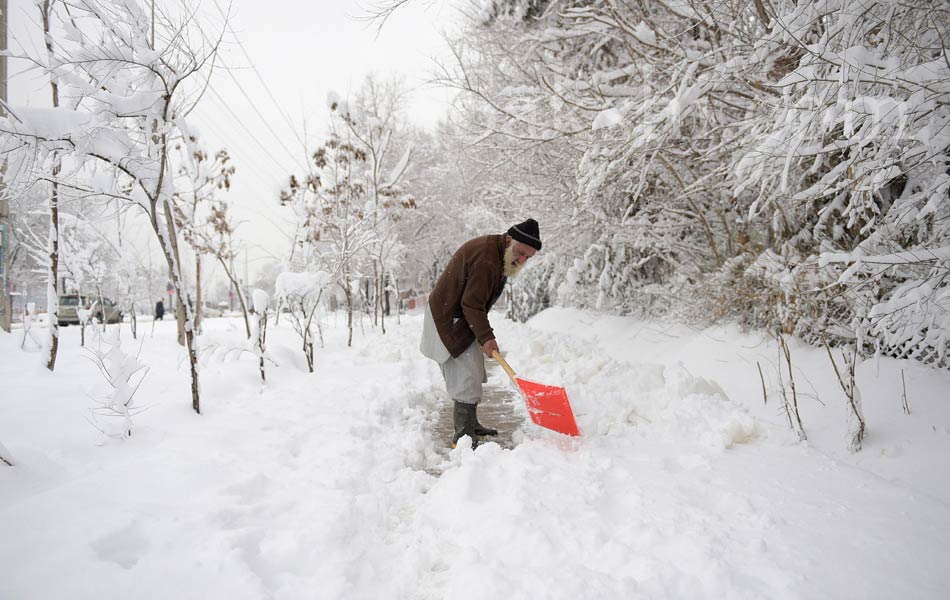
<point x="527" y="233"/>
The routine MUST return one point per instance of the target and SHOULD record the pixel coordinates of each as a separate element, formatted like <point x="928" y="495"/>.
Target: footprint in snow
<point x="124" y="546"/>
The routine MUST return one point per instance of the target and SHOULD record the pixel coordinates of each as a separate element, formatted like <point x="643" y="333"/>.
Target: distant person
<point x="456" y="332"/>
<point x="159" y="310"/>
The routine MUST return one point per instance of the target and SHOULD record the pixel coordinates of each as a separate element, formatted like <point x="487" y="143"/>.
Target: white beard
<point x="511" y="269"/>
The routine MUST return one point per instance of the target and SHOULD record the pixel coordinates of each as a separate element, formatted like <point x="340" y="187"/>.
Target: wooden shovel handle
<point x="504" y="365"/>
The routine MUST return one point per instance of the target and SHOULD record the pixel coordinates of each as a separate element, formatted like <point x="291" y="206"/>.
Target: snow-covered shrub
<point x="123" y="374"/>
<point x="258" y="339"/>
<point x="29" y="315"/>
<point x="780" y="164"/>
<point x="852" y="160"/>
<point x="612" y="276"/>
<point x="531" y="292"/>
<point x="845" y="371"/>
<point x="300" y="293"/>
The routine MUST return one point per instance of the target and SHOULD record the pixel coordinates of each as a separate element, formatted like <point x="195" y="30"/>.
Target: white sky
<point x="302" y="49"/>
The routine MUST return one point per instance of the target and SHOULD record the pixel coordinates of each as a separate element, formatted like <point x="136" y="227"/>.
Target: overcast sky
<point x="291" y="54"/>
<point x="303" y="49"/>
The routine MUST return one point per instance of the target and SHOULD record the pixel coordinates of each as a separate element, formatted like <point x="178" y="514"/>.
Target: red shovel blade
<point x="549" y="407"/>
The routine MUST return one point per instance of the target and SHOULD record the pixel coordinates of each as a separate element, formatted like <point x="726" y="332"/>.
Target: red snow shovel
<point x="547" y="405"/>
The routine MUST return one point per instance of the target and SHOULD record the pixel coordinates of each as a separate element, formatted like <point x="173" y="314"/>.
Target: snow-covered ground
<point x="684" y="484"/>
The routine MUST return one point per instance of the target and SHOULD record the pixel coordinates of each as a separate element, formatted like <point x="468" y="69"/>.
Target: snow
<point x="50" y="123"/>
<point x="331" y="485"/>
<point x="259" y="299"/>
<point x="606" y="118"/>
<point x="300" y="285"/>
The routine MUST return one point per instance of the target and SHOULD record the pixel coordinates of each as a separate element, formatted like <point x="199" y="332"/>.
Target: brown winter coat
<point x="465" y="292"/>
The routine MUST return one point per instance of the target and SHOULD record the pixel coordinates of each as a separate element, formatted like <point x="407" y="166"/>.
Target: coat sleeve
<point x="477" y="295"/>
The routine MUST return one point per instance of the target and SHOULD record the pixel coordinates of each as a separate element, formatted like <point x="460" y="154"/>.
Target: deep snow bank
<point x="910" y="450"/>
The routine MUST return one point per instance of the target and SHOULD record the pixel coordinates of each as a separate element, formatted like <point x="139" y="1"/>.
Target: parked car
<point x="107" y="308"/>
<point x="69" y="303"/>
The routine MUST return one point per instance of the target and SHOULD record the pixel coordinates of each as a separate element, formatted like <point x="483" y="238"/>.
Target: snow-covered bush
<point x="123" y="374"/>
<point x="29" y="315"/>
<point x="851" y="159"/>
<point x="258" y="339"/>
<point x="301" y="293"/>
<point x="532" y="293"/>
<point x="685" y="148"/>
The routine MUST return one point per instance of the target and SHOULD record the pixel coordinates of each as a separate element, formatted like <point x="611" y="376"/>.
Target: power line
<point x="250" y="133"/>
<point x="251" y="102"/>
<point x="259" y="114"/>
<point x="236" y="143"/>
<point x="260" y="78"/>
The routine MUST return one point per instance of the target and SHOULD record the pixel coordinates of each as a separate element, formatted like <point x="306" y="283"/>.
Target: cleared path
<point x="497" y="410"/>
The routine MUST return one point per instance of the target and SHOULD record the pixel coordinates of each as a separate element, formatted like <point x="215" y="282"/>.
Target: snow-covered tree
<point x="200" y="216"/>
<point x="332" y="203"/>
<point x="850" y="162"/>
<point x="52" y="289"/>
<point x="720" y="158"/>
<point x="373" y="122"/>
<point x="132" y="75"/>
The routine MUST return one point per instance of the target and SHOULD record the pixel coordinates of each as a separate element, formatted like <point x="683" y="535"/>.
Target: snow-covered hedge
<point x="783" y="164"/>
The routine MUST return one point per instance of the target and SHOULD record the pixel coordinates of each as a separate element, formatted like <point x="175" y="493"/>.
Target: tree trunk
<point x="197" y="292"/>
<point x="308" y="347"/>
<point x="180" y="313"/>
<point x="180" y="316"/>
<point x="348" y="296"/>
<point x="170" y="251"/>
<point x="261" y="340"/>
<point x="376" y="276"/>
<point x="398" y="307"/>
<point x="133" y="322"/>
<point x="237" y="290"/>
<point x="381" y="294"/>
<point x="52" y="290"/>
<point x="52" y="293"/>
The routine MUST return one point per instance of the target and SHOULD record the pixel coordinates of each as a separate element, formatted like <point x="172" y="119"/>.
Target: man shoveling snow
<point x="456" y="332"/>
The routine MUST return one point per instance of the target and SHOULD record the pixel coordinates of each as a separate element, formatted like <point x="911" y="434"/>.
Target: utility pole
<point x="6" y="301"/>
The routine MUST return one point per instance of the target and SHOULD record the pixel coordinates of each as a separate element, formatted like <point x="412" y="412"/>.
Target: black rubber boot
<point x="463" y="417"/>
<point x="481" y="429"/>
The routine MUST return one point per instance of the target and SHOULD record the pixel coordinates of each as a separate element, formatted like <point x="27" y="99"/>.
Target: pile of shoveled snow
<point x="611" y="395"/>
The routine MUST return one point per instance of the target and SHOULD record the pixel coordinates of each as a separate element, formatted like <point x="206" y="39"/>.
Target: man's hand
<point x="489" y="347"/>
